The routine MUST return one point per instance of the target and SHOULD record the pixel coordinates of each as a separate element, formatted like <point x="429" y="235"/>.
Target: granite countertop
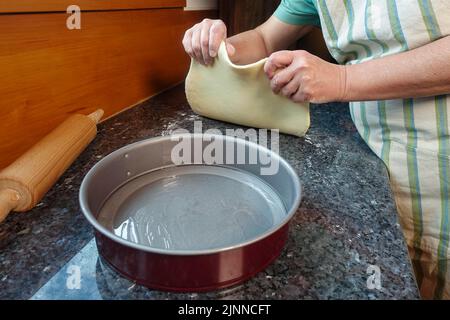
<point x="346" y="223"/>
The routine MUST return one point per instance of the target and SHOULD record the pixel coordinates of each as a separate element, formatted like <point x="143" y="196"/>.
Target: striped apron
<point x="411" y="136"/>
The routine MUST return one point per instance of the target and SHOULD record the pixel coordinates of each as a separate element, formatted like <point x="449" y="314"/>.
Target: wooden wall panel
<point x="243" y="15"/>
<point x="117" y="59"/>
<point x="15" y="6"/>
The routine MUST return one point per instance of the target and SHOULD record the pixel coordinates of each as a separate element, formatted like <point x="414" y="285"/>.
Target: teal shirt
<point x="298" y="12"/>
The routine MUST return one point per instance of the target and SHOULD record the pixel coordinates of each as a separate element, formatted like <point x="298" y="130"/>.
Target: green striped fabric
<point x="444" y="177"/>
<point x="369" y="28"/>
<point x="429" y="18"/>
<point x="385" y="132"/>
<point x="339" y="54"/>
<point x="411" y="136"/>
<point x="351" y="23"/>
<point x="414" y="185"/>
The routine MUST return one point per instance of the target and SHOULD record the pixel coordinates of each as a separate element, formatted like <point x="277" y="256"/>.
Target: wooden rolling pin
<point x="25" y="182"/>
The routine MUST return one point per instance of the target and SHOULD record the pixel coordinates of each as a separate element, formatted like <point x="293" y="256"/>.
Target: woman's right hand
<point x="203" y="40"/>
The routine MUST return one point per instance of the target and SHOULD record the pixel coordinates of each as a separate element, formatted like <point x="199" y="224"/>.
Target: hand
<point x="203" y="40"/>
<point x="303" y="77"/>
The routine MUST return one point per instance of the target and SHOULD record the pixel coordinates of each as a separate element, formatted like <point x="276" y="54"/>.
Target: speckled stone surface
<point x="347" y="220"/>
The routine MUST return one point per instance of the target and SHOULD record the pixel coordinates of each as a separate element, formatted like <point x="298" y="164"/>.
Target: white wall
<point x="201" y="5"/>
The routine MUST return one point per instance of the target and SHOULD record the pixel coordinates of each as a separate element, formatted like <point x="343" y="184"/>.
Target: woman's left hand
<point x="303" y="77"/>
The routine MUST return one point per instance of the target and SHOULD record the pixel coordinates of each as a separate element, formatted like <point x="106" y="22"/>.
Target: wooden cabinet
<point x="125" y="51"/>
<point x="8" y="6"/>
<point x="243" y="15"/>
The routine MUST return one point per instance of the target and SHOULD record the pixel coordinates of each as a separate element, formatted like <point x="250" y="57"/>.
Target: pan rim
<point x="83" y="196"/>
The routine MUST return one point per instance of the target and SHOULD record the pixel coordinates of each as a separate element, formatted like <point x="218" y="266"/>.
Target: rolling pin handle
<point x="9" y="200"/>
<point x="97" y="115"/>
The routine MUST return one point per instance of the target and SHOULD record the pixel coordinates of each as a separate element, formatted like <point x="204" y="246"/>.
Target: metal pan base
<point x="192" y="207"/>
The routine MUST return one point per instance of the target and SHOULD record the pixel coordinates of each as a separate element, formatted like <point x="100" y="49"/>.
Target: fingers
<point x="295" y="89"/>
<point x="300" y="97"/>
<point x="230" y="49"/>
<point x="291" y="88"/>
<point x="218" y="33"/>
<point x="196" y="46"/>
<point x="187" y="43"/>
<point x="290" y="75"/>
<point x="281" y="79"/>
<point x="303" y="93"/>
<point x="203" y="40"/>
<point x="277" y="60"/>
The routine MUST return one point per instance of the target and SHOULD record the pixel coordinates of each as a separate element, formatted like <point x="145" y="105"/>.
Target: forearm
<point x="421" y="72"/>
<point x="261" y="42"/>
<point x="250" y="47"/>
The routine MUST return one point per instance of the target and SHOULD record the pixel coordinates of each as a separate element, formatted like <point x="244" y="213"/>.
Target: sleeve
<point x="298" y="12"/>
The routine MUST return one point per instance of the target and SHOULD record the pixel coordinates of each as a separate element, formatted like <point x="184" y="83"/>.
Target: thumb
<point x="230" y="49"/>
<point x="278" y="60"/>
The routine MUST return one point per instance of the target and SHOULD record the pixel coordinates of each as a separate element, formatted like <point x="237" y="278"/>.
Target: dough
<point x="242" y="95"/>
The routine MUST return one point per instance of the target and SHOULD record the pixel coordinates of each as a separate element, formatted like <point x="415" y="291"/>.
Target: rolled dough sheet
<point x="242" y="95"/>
